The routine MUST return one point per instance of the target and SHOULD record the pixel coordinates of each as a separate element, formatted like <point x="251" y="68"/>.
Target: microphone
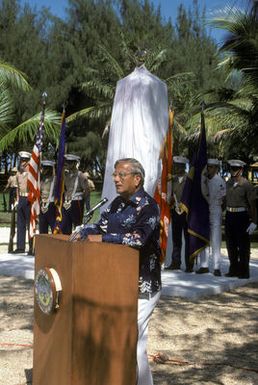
<point x="91" y="211"/>
<point x="88" y="216"/>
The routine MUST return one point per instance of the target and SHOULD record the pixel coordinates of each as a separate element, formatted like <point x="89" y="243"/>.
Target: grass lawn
<point x="95" y="197"/>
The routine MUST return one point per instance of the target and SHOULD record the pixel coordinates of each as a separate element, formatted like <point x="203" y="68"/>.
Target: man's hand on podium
<point x="75" y="236"/>
<point x="94" y="238"/>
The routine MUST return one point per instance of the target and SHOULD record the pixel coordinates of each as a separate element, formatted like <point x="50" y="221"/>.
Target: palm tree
<point x="10" y="78"/>
<point x="14" y="136"/>
<point x="233" y="116"/>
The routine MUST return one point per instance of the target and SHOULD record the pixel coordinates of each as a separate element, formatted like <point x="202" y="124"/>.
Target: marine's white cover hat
<point x="24" y="155"/>
<point x="213" y="162"/>
<point x="72" y="157"/>
<point x="236" y="163"/>
<point x="47" y="163"/>
<point x="180" y="159"/>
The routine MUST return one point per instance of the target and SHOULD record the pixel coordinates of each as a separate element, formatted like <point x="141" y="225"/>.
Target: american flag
<point x="34" y="178"/>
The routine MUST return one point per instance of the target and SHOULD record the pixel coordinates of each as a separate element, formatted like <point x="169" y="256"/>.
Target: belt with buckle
<point x="23" y="194"/>
<point x="236" y="209"/>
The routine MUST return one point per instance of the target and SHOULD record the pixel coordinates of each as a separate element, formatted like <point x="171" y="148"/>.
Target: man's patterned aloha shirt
<point x="135" y="223"/>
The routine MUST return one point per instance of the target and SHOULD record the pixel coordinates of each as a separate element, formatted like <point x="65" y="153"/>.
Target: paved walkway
<point x="175" y="283"/>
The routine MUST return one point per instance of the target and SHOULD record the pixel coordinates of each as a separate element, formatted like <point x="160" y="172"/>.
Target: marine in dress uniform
<point x="47" y="216"/>
<point x="12" y="187"/>
<point x="240" y="221"/>
<point x="178" y="217"/>
<point x="23" y="207"/>
<point x="75" y="194"/>
<point x="214" y="190"/>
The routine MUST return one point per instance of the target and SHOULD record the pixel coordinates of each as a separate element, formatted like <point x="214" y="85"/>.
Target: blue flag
<point x="59" y="187"/>
<point x="194" y="203"/>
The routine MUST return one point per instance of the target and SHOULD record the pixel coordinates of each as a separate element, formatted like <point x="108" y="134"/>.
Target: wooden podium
<point x="91" y="339"/>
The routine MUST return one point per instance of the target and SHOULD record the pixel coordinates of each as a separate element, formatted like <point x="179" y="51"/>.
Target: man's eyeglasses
<point x="122" y="174"/>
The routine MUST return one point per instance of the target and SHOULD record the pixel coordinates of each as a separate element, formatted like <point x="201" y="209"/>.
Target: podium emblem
<point x="47" y="290"/>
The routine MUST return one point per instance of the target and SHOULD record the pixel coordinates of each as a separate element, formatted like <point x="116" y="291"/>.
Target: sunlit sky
<point x="168" y="8"/>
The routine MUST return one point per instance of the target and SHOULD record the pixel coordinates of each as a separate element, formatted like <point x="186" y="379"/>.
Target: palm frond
<point x="6" y="109"/>
<point x="155" y="60"/>
<point x="25" y="132"/>
<point x="11" y="75"/>
<point x="179" y="128"/>
<point x="181" y="76"/>
<point x="111" y="64"/>
<point x="95" y="89"/>
<point x="93" y="112"/>
<point x="241" y="45"/>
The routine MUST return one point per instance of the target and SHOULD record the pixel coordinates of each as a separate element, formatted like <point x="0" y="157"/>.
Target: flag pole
<point x="42" y="118"/>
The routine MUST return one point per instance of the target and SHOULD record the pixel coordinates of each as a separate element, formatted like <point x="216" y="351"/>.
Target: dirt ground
<point x="210" y="341"/>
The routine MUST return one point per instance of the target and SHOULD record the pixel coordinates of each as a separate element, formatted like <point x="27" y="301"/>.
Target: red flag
<point x="163" y="191"/>
<point x="33" y="182"/>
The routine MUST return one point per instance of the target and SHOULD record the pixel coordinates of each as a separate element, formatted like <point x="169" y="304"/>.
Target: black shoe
<point x="202" y="270"/>
<point x="18" y="251"/>
<point x="188" y="270"/>
<point x="217" y="273"/>
<point x="173" y="266"/>
<point x="244" y="276"/>
<point x="30" y="252"/>
<point x="229" y="274"/>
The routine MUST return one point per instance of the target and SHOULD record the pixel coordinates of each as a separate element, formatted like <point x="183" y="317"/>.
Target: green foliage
<point x="232" y="110"/>
<point x="79" y="60"/>
<point x="26" y="131"/>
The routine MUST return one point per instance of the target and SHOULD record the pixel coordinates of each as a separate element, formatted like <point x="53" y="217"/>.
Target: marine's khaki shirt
<point x="241" y="194"/>
<point x="22" y="178"/>
<point x="69" y="182"/>
<point x="12" y="181"/>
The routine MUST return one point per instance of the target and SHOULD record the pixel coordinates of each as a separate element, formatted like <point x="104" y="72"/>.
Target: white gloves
<point x="251" y="228"/>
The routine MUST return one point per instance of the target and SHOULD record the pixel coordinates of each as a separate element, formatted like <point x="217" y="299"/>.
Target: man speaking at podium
<point x="133" y="219"/>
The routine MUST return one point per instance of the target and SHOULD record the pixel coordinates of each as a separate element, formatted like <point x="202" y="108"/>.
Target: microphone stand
<point x="86" y="219"/>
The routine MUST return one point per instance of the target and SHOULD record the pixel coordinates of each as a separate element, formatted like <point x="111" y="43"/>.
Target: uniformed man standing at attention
<point x="47" y="216"/>
<point x="23" y="207"/>
<point x="75" y="194"/>
<point x="178" y="217"/>
<point x="12" y="187"/>
<point x="214" y="190"/>
<point x="241" y="219"/>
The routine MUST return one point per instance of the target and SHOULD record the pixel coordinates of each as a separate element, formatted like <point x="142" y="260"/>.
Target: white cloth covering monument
<point x="139" y="123"/>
